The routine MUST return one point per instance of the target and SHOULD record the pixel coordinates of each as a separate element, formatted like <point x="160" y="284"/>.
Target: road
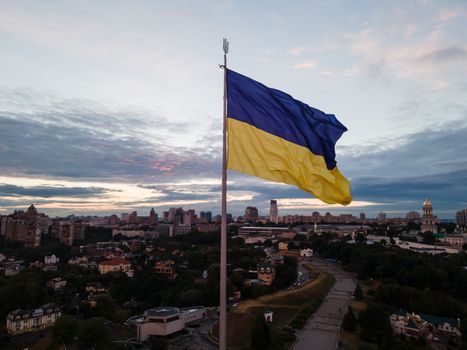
<point x="322" y="329"/>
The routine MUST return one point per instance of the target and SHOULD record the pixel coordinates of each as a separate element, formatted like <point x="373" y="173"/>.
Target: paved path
<point x="322" y="329"/>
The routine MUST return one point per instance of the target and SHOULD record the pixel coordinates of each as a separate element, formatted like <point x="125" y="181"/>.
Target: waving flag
<point x="275" y="137"/>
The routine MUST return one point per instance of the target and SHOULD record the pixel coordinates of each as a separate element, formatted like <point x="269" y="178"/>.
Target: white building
<point x="162" y="321"/>
<point x="426" y="248"/>
<point x="306" y="253"/>
<point x="429" y="221"/>
<point x="51" y="260"/>
<point x="453" y="239"/>
<point x="423" y="325"/>
<point x="182" y="229"/>
<point x="26" y="321"/>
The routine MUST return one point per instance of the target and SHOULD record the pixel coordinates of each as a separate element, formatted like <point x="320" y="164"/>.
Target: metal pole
<point x="223" y="262"/>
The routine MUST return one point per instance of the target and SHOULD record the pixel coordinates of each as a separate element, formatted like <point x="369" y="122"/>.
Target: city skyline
<point x="104" y="114"/>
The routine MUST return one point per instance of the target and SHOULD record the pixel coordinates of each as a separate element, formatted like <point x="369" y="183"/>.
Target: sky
<point x="114" y="106"/>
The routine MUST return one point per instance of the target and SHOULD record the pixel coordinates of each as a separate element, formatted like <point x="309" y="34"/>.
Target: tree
<point x="261" y="336"/>
<point x="64" y="329"/>
<point x="191" y="297"/>
<point x="373" y="321"/>
<point x="464" y="332"/>
<point x="93" y="333"/>
<point x="428" y="237"/>
<point x="360" y="238"/>
<point x="350" y="321"/>
<point x="158" y="343"/>
<point x="358" y="293"/>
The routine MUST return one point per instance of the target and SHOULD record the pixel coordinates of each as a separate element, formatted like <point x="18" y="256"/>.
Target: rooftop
<point x="162" y="311"/>
<point x="115" y="262"/>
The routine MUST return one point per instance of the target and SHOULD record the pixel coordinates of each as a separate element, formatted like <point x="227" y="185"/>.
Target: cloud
<point x="305" y="65"/>
<point x="59" y="137"/>
<point x="426" y="163"/>
<point x="448" y="14"/>
<point x="7" y="190"/>
<point x="445" y="55"/>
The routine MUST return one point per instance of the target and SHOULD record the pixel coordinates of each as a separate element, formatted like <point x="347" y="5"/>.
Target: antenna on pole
<point x="225" y="46"/>
<point x="223" y="257"/>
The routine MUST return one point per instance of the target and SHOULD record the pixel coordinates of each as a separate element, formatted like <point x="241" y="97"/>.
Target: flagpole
<point x="223" y="262"/>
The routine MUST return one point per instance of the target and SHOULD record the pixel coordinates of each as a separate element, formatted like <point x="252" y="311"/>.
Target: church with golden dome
<point x="429" y="221"/>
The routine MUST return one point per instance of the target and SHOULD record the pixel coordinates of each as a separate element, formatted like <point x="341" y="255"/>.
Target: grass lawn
<point x="286" y="305"/>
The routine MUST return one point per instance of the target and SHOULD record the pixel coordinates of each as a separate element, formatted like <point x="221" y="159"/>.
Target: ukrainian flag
<point x="275" y="137"/>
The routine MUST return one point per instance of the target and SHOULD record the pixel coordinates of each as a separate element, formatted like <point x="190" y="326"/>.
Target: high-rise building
<point x="273" y="212"/>
<point x="429" y="221"/>
<point x="205" y="216"/>
<point x="113" y="220"/>
<point x="125" y="217"/>
<point x="3" y="219"/>
<point x="251" y="215"/>
<point x="68" y="232"/>
<point x="152" y="216"/>
<point x="362" y="216"/>
<point x="133" y="218"/>
<point x="24" y="227"/>
<point x="461" y="217"/>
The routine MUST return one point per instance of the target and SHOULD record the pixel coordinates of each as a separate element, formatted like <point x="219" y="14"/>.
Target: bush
<point x="350" y="322"/>
<point x="261" y="335"/>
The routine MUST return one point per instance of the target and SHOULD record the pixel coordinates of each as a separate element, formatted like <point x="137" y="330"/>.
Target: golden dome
<point x="426" y="203"/>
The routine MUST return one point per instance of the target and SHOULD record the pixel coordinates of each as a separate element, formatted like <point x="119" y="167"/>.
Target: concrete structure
<point x="429" y="221"/>
<point x="165" y="230"/>
<point x="192" y="314"/>
<point x="306" y="253"/>
<point x="461" y="218"/>
<point x="26" y="321"/>
<point x="273" y="212"/>
<point x="322" y="329"/>
<point x="153" y="219"/>
<point x="182" y="229"/>
<point x="268" y="315"/>
<point x="24" y="226"/>
<point x="453" y="239"/>
<point x="56" y="283"/>
<point x="68" y="231"/>
<point x="426" y="248"/>
<point x="160" y="321"/>
<point x="115" y="265"/>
